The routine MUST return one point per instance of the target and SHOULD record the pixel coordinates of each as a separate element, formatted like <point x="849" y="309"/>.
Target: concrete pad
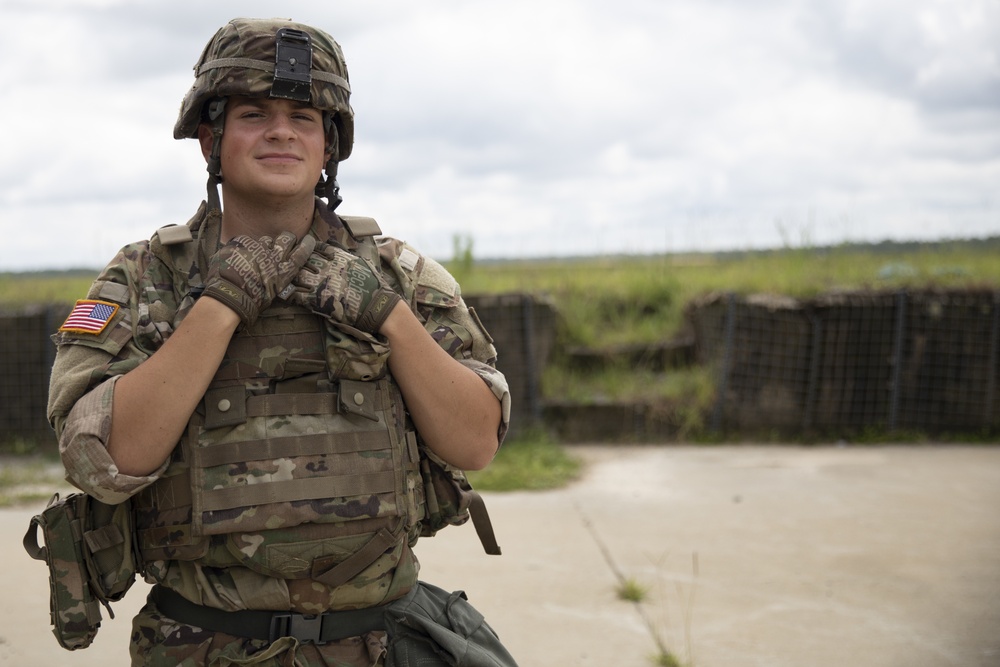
<point x="776" y="556"/>
<point x="770" y="556"/>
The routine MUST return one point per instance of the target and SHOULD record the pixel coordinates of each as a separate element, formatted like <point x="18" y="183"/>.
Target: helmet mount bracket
<point x="292" y="65"/>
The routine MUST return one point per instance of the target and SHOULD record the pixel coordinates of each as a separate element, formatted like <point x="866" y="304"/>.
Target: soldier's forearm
<point x="456" y="413"/>
<point x="153" y="403"/>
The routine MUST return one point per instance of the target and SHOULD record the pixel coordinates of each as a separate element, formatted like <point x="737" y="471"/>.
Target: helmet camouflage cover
<point x="271" y="58"/>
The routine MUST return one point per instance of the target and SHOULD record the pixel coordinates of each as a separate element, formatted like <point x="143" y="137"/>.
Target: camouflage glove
<point x="246" y="274"/>
<point x="336" y="284"/>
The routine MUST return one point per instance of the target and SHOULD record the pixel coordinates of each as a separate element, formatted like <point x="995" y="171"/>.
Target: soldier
<point x="269" y="385"/>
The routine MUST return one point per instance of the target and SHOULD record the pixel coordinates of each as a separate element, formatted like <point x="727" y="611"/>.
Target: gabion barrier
<point x="910" y="361"/>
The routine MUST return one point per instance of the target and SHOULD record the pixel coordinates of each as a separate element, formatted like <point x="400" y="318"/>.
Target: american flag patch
<point x="89" y="316"/>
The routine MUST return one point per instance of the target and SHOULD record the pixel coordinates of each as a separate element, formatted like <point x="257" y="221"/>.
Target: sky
<point x="533" y="128"/>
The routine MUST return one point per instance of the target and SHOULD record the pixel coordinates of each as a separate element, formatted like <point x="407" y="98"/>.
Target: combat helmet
<point x="271" y="58"/>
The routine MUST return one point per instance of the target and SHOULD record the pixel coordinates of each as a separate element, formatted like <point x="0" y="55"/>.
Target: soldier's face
<point x="271" y="148"/>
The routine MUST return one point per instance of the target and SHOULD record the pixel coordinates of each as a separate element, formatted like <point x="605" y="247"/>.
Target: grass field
<point x="614" y="300"/>
<point x="643" y="296"/>
<point x="603" y="302"/>
<point x="21" y="289"/>
<point x="607" y="301"/>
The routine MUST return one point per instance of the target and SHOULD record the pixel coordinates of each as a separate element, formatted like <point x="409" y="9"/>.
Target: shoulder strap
<point x="174" y="234"/>
<point x="359" y="226"/>
<point x="181" y="247"/>
<point x="364" y="230"/>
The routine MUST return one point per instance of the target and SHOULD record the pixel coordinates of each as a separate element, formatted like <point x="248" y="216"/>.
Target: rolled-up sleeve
<point x="497" y="383"/>
<point x="86" y="368"/>
<point x="83" y="448"/>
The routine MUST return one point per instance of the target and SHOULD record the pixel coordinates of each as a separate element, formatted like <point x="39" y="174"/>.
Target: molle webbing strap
<point x="484" y="527"/>
<point x="248" y="347"/>
<point x="272" y="405"/>
<point x="298" y="489"/>
<point x="331" y="573"/>
<point x="103" y="538"/>
<point x="299" y="445"/>
<point x="175" y="491"/>
<point x="169" y="492"/>
<point x="324" y="403"/>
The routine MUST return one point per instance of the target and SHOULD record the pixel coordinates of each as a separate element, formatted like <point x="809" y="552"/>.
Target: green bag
<point x="430" y="626"/>
<point x="90" y="551"/>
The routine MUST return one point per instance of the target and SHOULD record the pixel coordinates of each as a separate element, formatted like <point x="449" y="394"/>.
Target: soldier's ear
<point x="205" y="139"/>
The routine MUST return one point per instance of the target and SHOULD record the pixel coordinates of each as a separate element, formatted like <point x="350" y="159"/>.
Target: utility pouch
<point x="451" y="500"/>
<point x="90" y="551"/>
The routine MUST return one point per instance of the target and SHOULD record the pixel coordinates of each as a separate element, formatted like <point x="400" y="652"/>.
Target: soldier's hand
<point x="345" y="288"/>
<point x="247" y="274"/>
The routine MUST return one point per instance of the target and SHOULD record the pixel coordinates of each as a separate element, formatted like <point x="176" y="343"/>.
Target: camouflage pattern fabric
<point x="239" y="61"/>
<point x="88" y="547"/>
<point x="428" y="627"/>
<point x="341" y="286"/>
<point x="159" y="641"/>
<point x="154" y="299"/>
<point x="247" y="274"/>
<point x="337" y="482"/>
<point x="75" y="613"/>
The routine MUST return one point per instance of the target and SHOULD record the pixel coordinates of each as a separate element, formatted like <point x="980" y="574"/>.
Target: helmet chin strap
<point x="328" y="188"/>
<point x="217" y="117"/>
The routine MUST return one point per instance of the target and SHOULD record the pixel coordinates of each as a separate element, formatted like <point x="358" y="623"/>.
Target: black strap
<point x="484" y="527"/>
<point x="270" y="625"/>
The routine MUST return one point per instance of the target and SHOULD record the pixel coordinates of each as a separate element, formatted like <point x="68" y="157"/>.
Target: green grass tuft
<point x="630" y="590"/>
<point x="531" y="462"/>
<point x="666" y="659"/>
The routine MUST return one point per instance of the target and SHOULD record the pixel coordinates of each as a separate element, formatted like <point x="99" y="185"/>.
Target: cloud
<point x="942" y="56"/>
<point x="565" y="127"/>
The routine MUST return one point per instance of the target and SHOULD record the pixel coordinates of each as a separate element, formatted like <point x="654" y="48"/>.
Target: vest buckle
<point x="307" y="629"/>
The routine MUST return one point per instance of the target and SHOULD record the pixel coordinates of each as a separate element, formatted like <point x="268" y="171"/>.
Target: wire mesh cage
<point x="914" y="361"/>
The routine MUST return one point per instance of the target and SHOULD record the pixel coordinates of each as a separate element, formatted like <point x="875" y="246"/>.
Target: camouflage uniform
<point x="153" y="294"/>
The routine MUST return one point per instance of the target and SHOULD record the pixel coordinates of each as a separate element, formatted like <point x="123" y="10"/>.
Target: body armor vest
<point x="300" y="471"/>
<point x="300" y="461"/>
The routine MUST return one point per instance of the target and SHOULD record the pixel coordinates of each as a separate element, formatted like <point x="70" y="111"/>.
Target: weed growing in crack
<point x="631" y="590"/>
<point x="684" y="594"/>
<point x="666" y="659"/>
